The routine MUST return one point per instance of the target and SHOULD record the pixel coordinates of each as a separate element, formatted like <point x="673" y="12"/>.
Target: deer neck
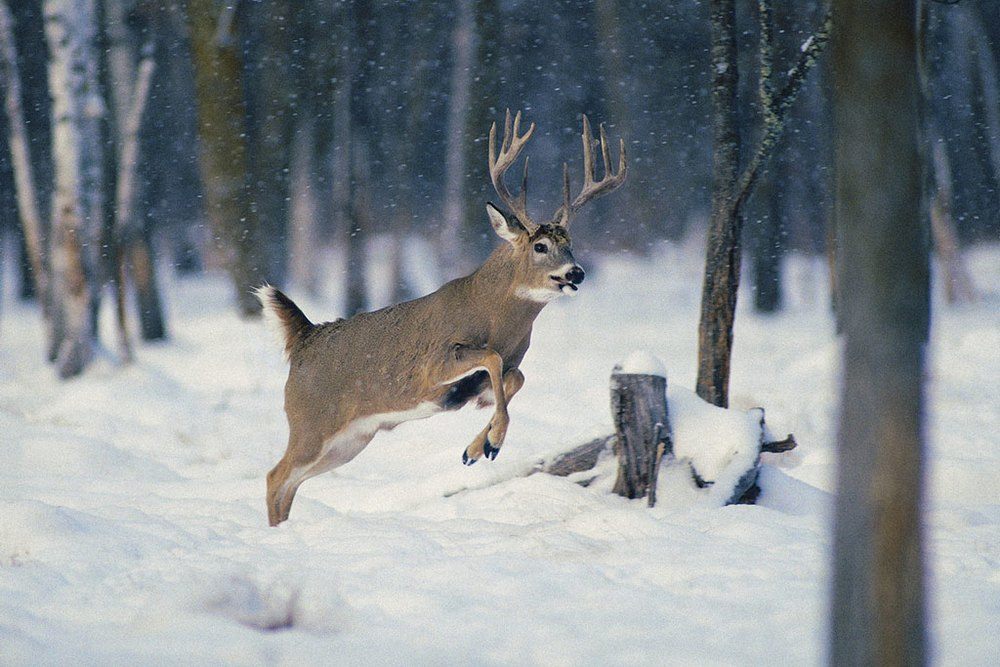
<point x="496" y="281"/>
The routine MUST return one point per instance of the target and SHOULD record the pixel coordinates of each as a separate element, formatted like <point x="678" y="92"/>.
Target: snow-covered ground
<point x="133" y="527"/>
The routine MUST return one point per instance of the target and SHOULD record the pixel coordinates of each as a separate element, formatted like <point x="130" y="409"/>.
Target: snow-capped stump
<point x="705" y="451"/>
<point x="642" y="425"/>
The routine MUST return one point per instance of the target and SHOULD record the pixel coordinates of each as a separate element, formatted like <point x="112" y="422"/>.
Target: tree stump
<point x="639" y="412"/>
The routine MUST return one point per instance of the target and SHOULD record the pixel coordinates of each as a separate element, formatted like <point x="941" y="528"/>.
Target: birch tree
<point x="130" y="72"/>
<point x="77" y="207"/>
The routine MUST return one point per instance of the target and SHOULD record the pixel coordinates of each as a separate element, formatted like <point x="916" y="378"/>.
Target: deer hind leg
<point x="306" y="457"/>
<point x="483" y="443"/>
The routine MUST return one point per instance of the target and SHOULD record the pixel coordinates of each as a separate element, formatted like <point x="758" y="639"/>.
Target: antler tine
<point x="588" y="153"/>
<point x="591" y="187"/>
<point x="565" y="206"/>
<point x="523" y="197"/>
<point x="604" y="152"/>
<point x="510" y="148"/>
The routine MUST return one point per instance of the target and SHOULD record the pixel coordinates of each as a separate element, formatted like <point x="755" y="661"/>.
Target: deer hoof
<point x="490" y="451"/>
<point x="466" y="459"/>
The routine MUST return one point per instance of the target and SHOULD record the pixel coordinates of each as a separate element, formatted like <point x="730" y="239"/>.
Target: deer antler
<point x="510" y="148"/>
<point x="591" y="188"/>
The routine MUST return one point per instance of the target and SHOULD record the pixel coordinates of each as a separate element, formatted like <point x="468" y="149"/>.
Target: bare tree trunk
<point x="722" y="265"/>
<point x="356" y="286"/>
<point x="454" y="247"/>
<point x="304" y="234"/>
<point x="767" y="245"/>
<point x="218" y="73"/>
<point x="127" y="232"/>
<point x="878" y="590"/>
<point x="131" y="243"/>
<point x="271" y="104"/>
<point x="731" y="187"/>
<point x="21" y="165"/>
<point x="485" y="94"/>
<point x="77" y="108"/>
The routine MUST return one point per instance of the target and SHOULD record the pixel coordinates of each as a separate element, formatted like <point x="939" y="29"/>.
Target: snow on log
<point x="708" y="455"/>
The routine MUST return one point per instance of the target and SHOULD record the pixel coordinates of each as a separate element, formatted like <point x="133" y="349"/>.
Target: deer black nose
<point x="575" y="275"/>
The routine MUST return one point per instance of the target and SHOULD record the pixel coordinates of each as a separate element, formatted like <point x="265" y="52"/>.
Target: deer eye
<point x="541" y="248"/>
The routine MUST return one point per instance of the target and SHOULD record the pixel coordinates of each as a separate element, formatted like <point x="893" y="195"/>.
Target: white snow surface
<point x="133" y="527"/>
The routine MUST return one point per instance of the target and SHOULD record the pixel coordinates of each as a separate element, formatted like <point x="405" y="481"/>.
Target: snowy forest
<point x="757" y="378"/>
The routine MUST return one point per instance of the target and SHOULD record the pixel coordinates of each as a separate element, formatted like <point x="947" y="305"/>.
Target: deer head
<point x="542" y="253"/>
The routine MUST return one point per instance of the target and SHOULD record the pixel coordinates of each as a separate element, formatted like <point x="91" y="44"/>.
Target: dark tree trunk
<point x="642" y="431"/>
<point x="21" y="203"/>
<point x="731" y="188"/>
<point x="722" y="264"/>
<point x="767" y="245"/>
<point x="456" y="242"/>
<point x="359" y="221"/>
<point x="878" y="590"/>
<point x="222" y="134"/>
<point x="485" y="95"/>
<point x="271" y="101"/>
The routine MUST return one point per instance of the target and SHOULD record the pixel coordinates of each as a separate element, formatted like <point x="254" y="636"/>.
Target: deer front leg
<point x="483" y="443"/>
<point x="468" y="359"/>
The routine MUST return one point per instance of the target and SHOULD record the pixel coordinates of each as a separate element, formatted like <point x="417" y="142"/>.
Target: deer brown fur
<point x="349" y="379"/>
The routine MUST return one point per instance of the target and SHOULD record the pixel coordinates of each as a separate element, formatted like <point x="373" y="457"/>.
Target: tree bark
<point x="454" y="245"/>
<point x="767" y="246"/>
<point x="218" y="74"/>
<point x="77" y="110"/>
<point x="21" y="164"/>
<point x="642" y="431"/>
<point x="271" y="101"/>
<point x="129" y="237"/>
<point x="722" y="263"/>
<point x="878" y="590"/>
<point x="957" y="282"/>
<point x="730" y="187"/>
<point x="359" y="222"/>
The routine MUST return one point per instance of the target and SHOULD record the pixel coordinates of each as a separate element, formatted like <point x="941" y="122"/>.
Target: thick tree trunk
<point x="878" y="591"/>
<point x="77" y="109"/>
<point x="218" y="74"/>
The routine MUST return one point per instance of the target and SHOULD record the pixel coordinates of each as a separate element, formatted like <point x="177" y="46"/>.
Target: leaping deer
<point x="351" y="378"/>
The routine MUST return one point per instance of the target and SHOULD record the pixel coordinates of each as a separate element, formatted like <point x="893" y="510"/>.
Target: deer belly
<point x="465" y="390"/>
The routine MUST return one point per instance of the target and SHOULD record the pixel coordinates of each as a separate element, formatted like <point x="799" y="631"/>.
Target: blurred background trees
<point x="291" y="142"/>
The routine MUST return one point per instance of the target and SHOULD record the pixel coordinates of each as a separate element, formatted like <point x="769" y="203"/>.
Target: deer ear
<point x="506" y="228"/>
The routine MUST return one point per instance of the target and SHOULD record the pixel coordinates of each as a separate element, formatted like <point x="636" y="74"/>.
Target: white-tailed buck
<point x="351" y="378"/>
